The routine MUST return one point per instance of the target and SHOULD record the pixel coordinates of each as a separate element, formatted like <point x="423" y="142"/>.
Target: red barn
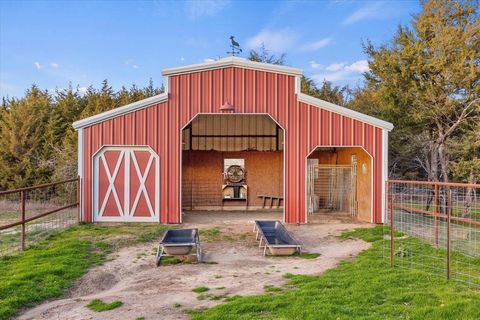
<point x="231" y="134"/>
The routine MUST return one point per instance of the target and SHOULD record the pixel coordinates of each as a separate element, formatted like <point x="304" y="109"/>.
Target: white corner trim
<point x="120" y="111"/>
<point x="384" y="173"/>
<point x="298" y="85"/>
<point x="80" y="152"/>
<point x="166" y="85"/>
<point x="80" y="169"/>
<point x="233" y="62"/>
<point x="345" y="111"/>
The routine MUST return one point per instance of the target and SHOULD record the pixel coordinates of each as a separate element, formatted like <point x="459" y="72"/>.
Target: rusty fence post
<point x="435" y="212"/>
<point x="392" y="232"/>
<point x="23" y="196"/>
<point x="449" y="249"/>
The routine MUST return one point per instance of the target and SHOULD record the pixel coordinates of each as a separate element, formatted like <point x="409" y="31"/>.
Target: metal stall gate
<point x="331" y="188"/>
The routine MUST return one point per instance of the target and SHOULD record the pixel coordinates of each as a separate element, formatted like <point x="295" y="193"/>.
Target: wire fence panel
<point x="29" y="215"/>
<point x="331" y="188"/>
<point x="435" y="227"/>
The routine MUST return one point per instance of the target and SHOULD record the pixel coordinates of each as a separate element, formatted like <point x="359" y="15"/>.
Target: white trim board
<point x="232" y="62"/>
<point x="120" y="111"/>
<point x="302" y="97"/>
<point x="80" y="170"/>
<point x="384" y="174"/>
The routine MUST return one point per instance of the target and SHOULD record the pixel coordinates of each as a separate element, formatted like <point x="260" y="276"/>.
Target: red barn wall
<point x="250" y="91"/>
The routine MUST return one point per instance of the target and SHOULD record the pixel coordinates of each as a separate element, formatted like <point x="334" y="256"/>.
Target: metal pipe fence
<point x="435" y="227"/>
<point x="29" y="215"/>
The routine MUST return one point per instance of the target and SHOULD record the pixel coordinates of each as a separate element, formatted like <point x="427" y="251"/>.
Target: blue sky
<point x="129" y="42"/>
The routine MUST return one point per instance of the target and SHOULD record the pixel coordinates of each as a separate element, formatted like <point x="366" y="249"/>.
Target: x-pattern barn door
<point x="126" y="184"/>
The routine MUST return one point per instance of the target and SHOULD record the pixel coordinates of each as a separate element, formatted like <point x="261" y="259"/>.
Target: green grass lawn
<point x="47" y="269"/>
<point x="364" y="288"/>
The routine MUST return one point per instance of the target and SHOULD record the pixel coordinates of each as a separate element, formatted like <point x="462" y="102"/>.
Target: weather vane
<point x="235" y="46"/>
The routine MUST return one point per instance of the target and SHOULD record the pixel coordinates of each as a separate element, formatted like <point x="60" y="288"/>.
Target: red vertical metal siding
<point x="250" y="91"/>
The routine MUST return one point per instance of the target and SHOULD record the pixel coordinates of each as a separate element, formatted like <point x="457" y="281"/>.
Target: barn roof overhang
<point x="120" y="111"/>
<point x="233" y="62"/>
<point x="319" y="103"/>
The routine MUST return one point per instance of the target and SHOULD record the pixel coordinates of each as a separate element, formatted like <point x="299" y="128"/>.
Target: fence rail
<point x="32" y="213"/>
<point x="435" y="227"/>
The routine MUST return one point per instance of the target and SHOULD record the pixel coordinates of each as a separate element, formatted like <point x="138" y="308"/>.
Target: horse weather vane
<point x="235" y="47"/>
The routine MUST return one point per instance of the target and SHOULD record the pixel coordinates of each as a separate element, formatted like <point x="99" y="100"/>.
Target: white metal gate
<point x="331" y="188"/>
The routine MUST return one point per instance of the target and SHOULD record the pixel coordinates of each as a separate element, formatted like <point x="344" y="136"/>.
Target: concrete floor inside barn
<point x="234" y="265"/>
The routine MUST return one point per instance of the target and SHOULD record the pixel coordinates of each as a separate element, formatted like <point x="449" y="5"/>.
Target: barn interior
<point x="232" y="162"/>
<point x="339" y="183"/>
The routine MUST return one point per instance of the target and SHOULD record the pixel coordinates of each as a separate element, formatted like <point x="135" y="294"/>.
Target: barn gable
<point x="239" y="63"/>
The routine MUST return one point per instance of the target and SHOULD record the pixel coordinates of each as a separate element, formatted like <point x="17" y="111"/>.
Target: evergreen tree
<point x="24" y="160"/>
<point x="264" y="55"/>
<point x="98" y="101"/>
<point x="37" y="141"/>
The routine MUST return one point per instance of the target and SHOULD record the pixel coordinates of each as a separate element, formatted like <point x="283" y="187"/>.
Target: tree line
<point x="37" y="141"/>
<point x="425" y="80"/>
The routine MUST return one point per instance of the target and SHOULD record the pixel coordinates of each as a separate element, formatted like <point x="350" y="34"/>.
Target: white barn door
<point x="126" y="184"/>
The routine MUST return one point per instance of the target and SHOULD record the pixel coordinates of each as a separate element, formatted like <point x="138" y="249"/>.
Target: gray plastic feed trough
<point x="179" y="242"/>
<point x="275" y="238"/>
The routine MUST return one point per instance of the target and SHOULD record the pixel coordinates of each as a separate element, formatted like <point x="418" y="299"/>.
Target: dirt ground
<point x="233" y="266"/>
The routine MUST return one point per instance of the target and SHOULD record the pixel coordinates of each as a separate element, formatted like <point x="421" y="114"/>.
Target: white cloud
<point x="82" y="89"/>
<point x="54" y="65"/>
<point x="312" y="46"/>
<point x="208" y="60"/>
<point x="335" y="66"/>
<point x="131" y="63"/>
<point x="38" y="65"/>
<point x="332" y="76"/>
<point x="358" y="66"/>
<point x="369" y="11"/>
<point x="315" y="65"/>
<point x="182" y="59"/>
<point x="276" y="41"/>
<point x="342" y="71"/>
<point x="198" y="9"/>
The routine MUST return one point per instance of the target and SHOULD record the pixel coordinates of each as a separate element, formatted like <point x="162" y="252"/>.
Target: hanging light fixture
<point x="227" y="108"/>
